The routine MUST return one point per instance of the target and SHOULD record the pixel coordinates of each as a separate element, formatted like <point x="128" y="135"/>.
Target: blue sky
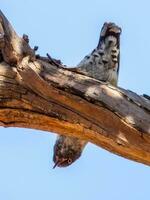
<point x="68" y="30"/>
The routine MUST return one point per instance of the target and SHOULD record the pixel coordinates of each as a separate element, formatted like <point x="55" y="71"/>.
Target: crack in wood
<point x="113" y="118"/>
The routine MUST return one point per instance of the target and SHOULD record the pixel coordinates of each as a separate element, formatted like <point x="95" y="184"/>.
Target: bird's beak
<point x="55" y="165"/>
<point x="59" y="163"/>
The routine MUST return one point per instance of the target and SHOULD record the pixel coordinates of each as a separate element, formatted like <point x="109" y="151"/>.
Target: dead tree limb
<point x="39" y="95"/>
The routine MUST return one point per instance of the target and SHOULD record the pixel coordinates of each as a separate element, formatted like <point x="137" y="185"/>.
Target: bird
<point x="101" y="64"/>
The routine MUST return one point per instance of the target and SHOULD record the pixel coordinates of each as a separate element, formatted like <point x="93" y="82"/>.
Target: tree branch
<point x="39" y="95"/>
<point x="12" y="46"/>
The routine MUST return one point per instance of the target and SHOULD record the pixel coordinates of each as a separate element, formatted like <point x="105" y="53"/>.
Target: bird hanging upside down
<point x="102" y="64"/>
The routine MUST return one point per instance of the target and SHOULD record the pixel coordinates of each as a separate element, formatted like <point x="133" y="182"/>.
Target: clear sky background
<point x="68" y="30"/>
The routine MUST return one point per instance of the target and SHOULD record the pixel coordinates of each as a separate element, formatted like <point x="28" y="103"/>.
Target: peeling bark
<point x="43" y="95"/>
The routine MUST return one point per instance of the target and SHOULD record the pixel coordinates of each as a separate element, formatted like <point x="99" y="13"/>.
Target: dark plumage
<point x="67" y="150"/>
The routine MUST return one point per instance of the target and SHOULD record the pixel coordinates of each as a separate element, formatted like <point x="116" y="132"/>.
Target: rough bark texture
<point x="38" y="94"/>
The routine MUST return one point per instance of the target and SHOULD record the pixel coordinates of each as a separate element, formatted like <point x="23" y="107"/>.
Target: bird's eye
<point x="69" y="161"/>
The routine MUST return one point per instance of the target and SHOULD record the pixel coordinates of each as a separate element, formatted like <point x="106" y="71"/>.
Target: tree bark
<point x="39" y="93"/>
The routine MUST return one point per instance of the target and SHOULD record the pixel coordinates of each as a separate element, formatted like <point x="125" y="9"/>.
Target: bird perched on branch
<point x="101" y="64"/>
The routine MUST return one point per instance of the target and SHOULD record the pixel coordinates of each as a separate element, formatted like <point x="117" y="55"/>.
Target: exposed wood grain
<point x="43" y="96"/>
<point x="14" y="47"/>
